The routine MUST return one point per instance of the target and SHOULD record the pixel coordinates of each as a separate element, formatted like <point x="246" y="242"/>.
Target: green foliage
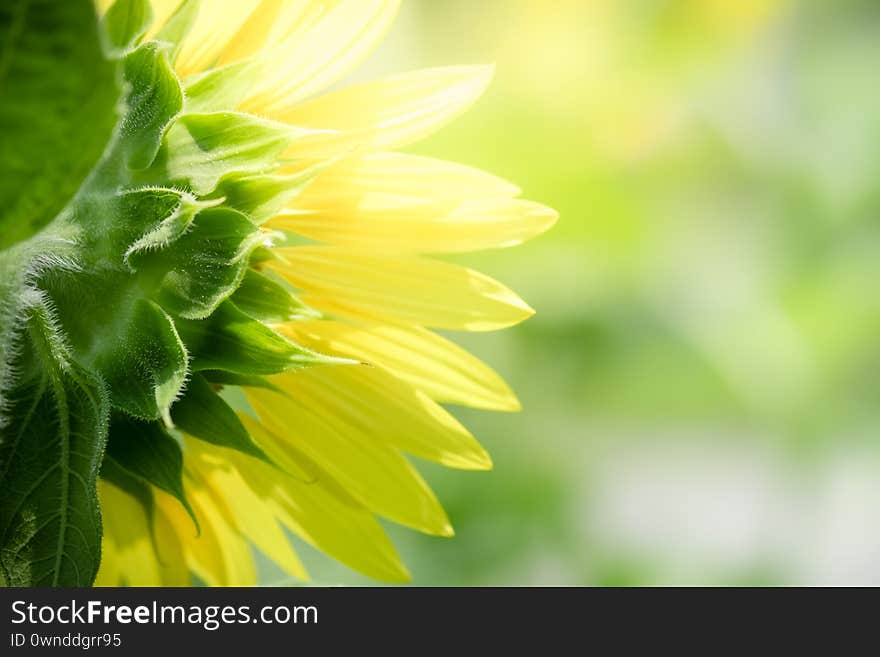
<point x="53" y="438"/>
<point x="45" y="103"/>
<point x="111" y="310"/>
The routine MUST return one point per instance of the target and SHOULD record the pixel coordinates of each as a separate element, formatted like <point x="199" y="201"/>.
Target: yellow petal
<point x="128" y="532"/>
<point x="390" y="202"/>
<point x="217" y="553"/>
<point x="162" y="11"/>
<point x="253" y="34"/>
<point x="402" y="175"/>
<point x="414" y="290"/>
<point x="388" y="113"/>
<point x="132" y="547"/>
<point x="212" y="32"/>
<point x="395" y="225"/>
<point x="322" y="514"/>
<point x="248" y="513"/>
<point x="373" y="472"/>
<point x="109" y="574"/>
<point x="432" y="364"/>
<point x="318" y="49"/>
<point x="365" y="397"/>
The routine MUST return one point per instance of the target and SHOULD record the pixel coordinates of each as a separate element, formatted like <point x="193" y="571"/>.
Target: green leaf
<point x="143" y="361"/>
<point x="58" y="99"/>
<point x="12" y="276"/>
<point x="125" y="23"/>
<point x="155" y="99"/>
<point x="51" y="445"/>
<point x="268" y="300"/>
<point x="233" y="341"/>
<point x="200" y="149"/>
<point x="147" y="452"/>
<point x="203" y="414"/>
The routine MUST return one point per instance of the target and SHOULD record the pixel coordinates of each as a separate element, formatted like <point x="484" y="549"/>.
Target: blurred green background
<point x="700" y="383"/>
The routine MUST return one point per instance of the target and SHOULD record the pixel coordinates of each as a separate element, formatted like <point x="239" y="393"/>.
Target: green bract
<point x="129" y="292"/>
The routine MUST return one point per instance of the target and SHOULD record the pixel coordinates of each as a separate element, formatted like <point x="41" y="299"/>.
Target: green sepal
<point x="147" y="452"/>
<point x="203" y="414"/>
<point x="262" y="196"/>
<point x="178" y="25"/>
<point x="49" y="107"/>
<point x="223" y="378"/>
<point x="262" y="254"/>
<point x="221" y="88"/>
<point x="52" y="440"/>
<point x="200" y="149"/>
<point x="143" y="361"/>
<point x="205" y="265"/>
<point x="155" y="99"/>
<point x="234" y="341"/>
<point x="268" y="300"/>
<point x="168" y="213"/>
<point x="125" y="22"/>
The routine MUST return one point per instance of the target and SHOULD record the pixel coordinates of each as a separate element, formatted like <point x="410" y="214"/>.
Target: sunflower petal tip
<point x="401" y="574"/>
<point x="339" y="360"/>
<point x="481" y="75"/>
<point x="483" y="462"/>
<point x="546" y="216"/>
<point x="509" y="402"/>
<point x="526" y="311"/>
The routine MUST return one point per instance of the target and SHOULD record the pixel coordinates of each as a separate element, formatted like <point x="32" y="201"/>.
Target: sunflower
<point x="216" y="318"/>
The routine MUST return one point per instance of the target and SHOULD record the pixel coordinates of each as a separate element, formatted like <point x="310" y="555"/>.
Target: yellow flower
<point x="338" y="433"/>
